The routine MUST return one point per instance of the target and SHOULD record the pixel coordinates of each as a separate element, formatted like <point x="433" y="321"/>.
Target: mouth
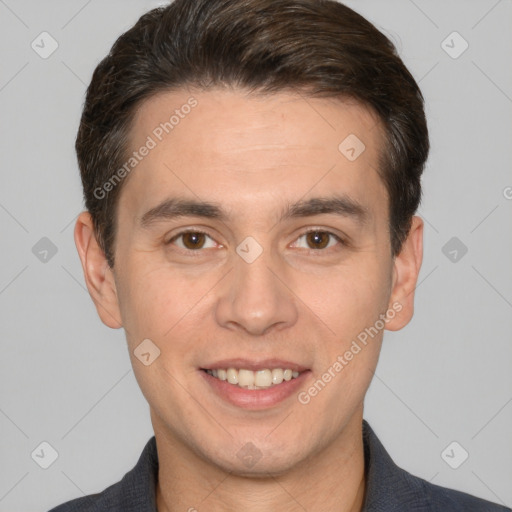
<point x="249" y="379"/>
<point x="255" y="385"/>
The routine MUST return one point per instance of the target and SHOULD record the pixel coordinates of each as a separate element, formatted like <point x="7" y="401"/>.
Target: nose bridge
<point x="254" y="297"/>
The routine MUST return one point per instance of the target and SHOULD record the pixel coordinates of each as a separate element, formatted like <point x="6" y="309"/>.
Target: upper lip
<point x="247" y="364"/>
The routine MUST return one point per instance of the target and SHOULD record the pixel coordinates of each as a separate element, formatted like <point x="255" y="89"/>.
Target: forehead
<point x="217" y="142"/>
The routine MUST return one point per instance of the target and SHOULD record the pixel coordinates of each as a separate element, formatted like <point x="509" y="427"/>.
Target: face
<point x="249" y="239"/>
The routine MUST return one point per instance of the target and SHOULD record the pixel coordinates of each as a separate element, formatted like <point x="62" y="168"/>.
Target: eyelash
<point x="315" y="230"/>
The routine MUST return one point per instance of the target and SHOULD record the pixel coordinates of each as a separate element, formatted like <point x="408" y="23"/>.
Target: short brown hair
<point x="321" y="47"/>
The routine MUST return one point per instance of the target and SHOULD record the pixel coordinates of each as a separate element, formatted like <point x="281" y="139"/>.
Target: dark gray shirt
<point x="388" y="488"/>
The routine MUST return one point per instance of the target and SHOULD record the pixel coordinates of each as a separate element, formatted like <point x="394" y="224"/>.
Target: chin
<point x="249" y="462"/>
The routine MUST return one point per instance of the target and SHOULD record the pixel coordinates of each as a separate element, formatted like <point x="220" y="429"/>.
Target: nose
<point x="255" y="297"/>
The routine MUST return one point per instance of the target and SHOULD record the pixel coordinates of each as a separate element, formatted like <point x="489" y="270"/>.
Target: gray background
<point x="66" y="379"/>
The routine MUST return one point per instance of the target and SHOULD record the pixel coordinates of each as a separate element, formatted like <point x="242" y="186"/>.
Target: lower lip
<point x="255" y="399"/>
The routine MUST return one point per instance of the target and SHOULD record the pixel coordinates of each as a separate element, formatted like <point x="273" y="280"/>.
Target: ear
<point x="97" y="272"/>
<point x="406" y="268"/>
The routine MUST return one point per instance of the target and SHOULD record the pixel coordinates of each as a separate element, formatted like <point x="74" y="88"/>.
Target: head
<point x="287" y="139"/>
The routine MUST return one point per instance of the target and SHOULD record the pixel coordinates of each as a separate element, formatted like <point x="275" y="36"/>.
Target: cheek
<point x="165" y="305"/>
<point x="152" y="300"/>
<point x="352" y="309"/>
<point x="352" y="298"/>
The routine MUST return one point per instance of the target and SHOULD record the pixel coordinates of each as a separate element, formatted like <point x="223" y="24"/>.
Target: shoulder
<point x="135" y="492"/>
<point x="103" y="501"/>
<point x="391" y="488"/>
<point x="441" y="499"/>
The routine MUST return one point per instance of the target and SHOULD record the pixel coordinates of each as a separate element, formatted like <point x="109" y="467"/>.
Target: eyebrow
<point x="174" y="207"/>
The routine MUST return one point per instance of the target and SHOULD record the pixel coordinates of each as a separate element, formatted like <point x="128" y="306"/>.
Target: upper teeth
<point x="254" y="380"/>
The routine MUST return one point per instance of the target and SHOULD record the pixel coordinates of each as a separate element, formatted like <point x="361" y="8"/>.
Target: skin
<point x="253" y="156"/>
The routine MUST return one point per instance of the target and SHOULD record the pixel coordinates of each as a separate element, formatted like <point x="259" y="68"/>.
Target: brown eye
<point x="192" y="240"/>
<point x="318" y="239"/>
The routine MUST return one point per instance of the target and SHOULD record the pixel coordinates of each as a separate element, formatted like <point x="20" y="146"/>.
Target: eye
<point x="317" y="239"/>
<point x="191" y="240"/>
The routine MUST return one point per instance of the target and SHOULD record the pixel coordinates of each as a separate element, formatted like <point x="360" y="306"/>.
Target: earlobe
<point x="406" y="269"/>
<point x="98" y="275"/>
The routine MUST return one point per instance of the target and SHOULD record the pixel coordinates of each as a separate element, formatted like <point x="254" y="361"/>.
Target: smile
<point x="248" y="379"/>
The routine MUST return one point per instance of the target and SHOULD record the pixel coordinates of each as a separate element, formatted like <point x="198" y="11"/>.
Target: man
<point x="251" y="171"/>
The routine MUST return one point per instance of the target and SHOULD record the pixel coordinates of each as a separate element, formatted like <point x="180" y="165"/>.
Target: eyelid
<point x="341" y="239"/>
<point x="190" y="230"/>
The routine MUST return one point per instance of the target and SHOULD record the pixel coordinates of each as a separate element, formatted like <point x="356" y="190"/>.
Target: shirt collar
<point x="388" y="487"/>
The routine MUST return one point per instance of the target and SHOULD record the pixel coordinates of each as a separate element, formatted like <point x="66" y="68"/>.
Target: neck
<point x="332" y="479"/>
